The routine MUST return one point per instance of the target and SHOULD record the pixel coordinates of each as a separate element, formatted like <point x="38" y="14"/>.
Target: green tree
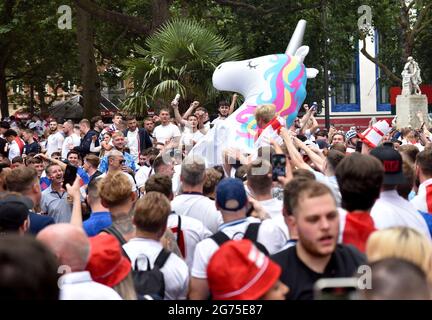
<point x="178" y="58"/>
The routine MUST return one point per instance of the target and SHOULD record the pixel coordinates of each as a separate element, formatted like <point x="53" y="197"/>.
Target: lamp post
<point x="325" y="66"/>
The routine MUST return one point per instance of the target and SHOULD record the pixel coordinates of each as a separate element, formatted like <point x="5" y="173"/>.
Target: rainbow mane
<point x="287" y="81"/>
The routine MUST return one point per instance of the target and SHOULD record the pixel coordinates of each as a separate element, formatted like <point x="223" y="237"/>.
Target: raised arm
<point x="316" y="159"/>
<point x="177" y="115"/>
<point x="189" y="111"/>
<point x="233" y="103"/>
<point x="296" y="157"/>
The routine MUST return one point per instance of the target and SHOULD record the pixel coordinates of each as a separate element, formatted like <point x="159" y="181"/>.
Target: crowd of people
<point x="142" y="218"/>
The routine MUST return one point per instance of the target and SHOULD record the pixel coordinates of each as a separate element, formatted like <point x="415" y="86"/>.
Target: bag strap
<point x="179" y="229"/>
<point x="220" y="238"/>
<point x="252" y="234"/>
<point x="138" y="258"/>
<point x="112" y="230"/>
<point x="162" y="258"/>
<point x="252" y="231"/>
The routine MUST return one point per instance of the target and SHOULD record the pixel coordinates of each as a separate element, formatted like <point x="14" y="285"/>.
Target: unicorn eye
<point x="219" y="67"/>
<point x="250" y="66"/>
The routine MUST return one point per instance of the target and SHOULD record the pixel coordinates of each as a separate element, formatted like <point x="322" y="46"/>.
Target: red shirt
<point x="358" y="227"/>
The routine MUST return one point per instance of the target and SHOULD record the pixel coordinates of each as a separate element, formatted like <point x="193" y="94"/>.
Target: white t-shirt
<point x="199" y="207"/>
<point x="54" y="143"/>
<point x="14" y="150"/>
<point x="391" y="210"/>
<point x="175" y="270"/>
<point x="274" y="208"/>
<point x="217" y="120"/>
<point x="164" y="133"/>
<point x="420" y="200"/>
<point x="73" y="140"/>
<point x="80" y="286"/>
<point x="142" y="175"/>
<point x="269" y="235"/>
<point x="131" y="180"/>
<point x="193" y="232"/>
<point x="133" y="143"/>
<point x="188" y="138"/>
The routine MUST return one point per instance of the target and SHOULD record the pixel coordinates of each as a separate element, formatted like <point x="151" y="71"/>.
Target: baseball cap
<point x="392" y="161"/>
<point x="231" y="194"/>
<point x="239" y="271"/>
<point x="107" y="264"/>
<point x="14" y="210"/>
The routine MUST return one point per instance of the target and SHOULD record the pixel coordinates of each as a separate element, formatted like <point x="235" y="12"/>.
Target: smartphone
<point x="336" y="289"/>
<point x="278" y="165"/>
<point x="176" y="99"/>
<point x="69" y="175"/>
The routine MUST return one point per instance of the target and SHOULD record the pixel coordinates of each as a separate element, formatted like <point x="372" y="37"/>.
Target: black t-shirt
<point x="33" y="147"/>
<point x="300" y="279"/>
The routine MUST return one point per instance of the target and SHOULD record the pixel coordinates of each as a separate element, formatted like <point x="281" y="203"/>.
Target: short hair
<point x="93" y="160"/>
<point x="93" y="188"/>
<point x="360" y="178"/>
<point x="201" y="109"/>
<point x="21" y="179"/>
<point x="70" y="122"/>
<point x="130" y="118"/>
<point x="223" y="103"/>
<point x="29" y="131"/>
<point x="48" y="168"/>
<point x="298" y="189"/>
<point x="85" y="122"/>
<point x="28" y="270"/>
<point x="159" y="183"/>
<point x="259" y="177"/>
<point x="118" y="114"/>
<point x="54" y="154"/>
<point x="164" y="110"/>
<point x="151" y="212"/>
<point x="149" y="119"/>
<point x="94" y="120"/>
<point x="17" y="159"/>
<point x="334" y="157"/>
<point x="159" y="162"/>
<point x="115" y="189"/>
<point x="34" y="160"/>
<point x="10" y="132"/>
<point x="265" y="112"/>
<point x="116" y="134"/>
<point x="303" y="174"/>
<point x="322" y="133"/>
<point x="409" y="152"/>
<point x="192" y="171"/>
<point x="73" y="152"/>
<point x="211" y="178"/>
<point x="397" y="279"/>
<point x="401" y="242"/>
<point x="339" y="134"/>
<point x="404" y="189"/>
<point x="424" y="161"/>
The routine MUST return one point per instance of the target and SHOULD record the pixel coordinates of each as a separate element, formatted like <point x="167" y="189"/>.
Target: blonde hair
<point x="151" y="212"/>
<point x="126" y="289"/>
<point x="401" y="242"/>
<point x="265" y="112"/>
<point x="115" y="189"/>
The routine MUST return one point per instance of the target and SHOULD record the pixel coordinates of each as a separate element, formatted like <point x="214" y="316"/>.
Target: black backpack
<point x="251" y="234"/>
<point x="150" y="282"/>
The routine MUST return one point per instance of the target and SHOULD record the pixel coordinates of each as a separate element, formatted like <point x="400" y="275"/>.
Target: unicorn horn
<point x="297" y="38"/>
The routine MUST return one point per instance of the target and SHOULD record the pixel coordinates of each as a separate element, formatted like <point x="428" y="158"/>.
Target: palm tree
<point x="179" y="58"/>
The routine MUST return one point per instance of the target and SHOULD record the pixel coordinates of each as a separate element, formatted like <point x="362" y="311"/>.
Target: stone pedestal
<point x="407" y="108"/>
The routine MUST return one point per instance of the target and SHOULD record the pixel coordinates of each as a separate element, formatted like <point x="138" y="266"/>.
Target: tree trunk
<point x="89" y="76"/>
<point x="160" y="13"/>
<point x="31" y="103"/>
<point x="4" y="104"/>
<point x="42" y="105"/>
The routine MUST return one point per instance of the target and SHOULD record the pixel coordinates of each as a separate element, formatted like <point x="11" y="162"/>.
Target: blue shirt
<point x="97" y="222"/>
<point x="130" y="162"/>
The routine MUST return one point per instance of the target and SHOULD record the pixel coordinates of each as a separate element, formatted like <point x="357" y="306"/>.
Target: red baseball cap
<point x="239" y="271"/>
<point x="107" y="265"/>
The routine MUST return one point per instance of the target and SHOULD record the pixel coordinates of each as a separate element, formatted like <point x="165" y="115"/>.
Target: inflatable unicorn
<point x="278" y="79"/>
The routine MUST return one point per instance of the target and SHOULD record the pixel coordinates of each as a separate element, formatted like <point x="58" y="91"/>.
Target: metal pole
<point x="326" y="76"/>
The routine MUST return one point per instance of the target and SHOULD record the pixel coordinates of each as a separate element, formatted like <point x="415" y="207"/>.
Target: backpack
<point x="250" y="234"/>
<point x="150" y="282"/>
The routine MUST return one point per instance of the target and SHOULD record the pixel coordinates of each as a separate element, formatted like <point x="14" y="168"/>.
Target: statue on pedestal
<point x="411" y="78"/>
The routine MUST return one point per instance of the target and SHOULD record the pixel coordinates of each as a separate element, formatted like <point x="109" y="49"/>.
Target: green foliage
<point x="178" y="58"/>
